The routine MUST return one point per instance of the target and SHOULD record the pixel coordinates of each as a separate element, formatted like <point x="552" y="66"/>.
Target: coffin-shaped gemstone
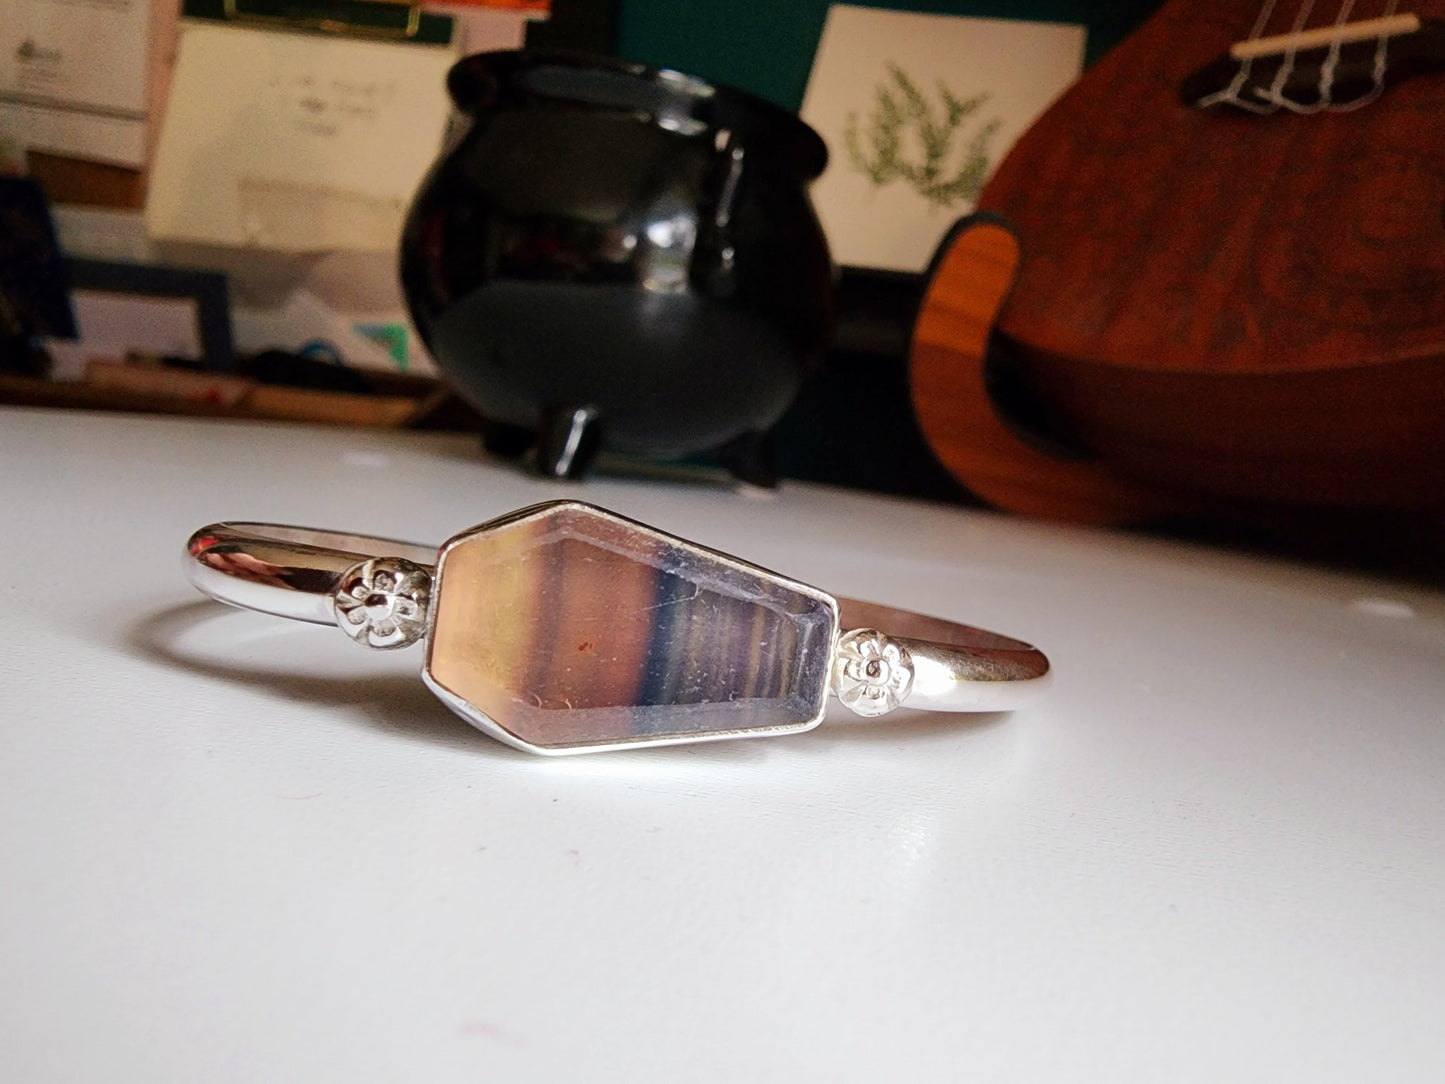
<point x="565" y="627"/>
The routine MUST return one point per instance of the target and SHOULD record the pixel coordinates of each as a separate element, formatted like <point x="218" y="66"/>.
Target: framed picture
<point x="123" y="309"/>
<point x="917" y="110"/>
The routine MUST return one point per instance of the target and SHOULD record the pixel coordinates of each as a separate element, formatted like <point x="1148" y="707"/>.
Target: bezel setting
<point x="821" y="609"/>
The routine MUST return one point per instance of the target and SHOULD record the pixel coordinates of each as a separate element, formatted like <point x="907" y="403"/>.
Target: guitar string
<point x="1271" y="99"/>
<point x="1230" y="93"/>
<point x="1324" y="89"/>
<point x="1328" y="69"/>
<point x="1275" y="93"/>
<point x="1377" y="73"/>
<point x="1332" y="60"/>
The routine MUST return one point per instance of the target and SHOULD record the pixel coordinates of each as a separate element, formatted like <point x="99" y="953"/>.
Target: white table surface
<point x="235" y="848"/>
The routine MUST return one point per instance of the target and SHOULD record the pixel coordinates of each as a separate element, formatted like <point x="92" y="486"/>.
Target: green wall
<point x="767" y="47"/>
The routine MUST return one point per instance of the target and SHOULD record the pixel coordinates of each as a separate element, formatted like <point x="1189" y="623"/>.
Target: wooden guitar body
<point x="1213" y="304"/>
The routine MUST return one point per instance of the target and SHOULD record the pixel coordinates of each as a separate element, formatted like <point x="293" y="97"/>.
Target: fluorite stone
<point x="564" y="627"/>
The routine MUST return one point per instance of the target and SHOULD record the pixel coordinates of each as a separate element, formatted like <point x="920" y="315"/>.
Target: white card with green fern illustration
<point x="917" y="110"/>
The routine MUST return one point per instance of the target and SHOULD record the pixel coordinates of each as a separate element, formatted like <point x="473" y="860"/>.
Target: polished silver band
<point x="297" y="572"/>
<point x="287" y="571"/>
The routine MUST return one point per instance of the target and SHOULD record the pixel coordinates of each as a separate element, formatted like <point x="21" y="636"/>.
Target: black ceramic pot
<point x="612" y="256"/>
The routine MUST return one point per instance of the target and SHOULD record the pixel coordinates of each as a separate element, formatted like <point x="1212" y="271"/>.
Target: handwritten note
<point x="295" y="142"/>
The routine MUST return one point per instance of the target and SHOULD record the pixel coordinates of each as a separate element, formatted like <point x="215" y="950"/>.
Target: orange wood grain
<point x="971" y="278"/>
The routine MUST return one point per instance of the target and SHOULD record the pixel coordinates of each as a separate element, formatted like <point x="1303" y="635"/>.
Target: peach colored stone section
<point x="568" y="628"/>
<point x="512" y="618"/>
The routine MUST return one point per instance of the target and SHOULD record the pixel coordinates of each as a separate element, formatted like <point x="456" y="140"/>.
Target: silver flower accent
<point x="871" y="673"/>
<point x="382" y="602"/>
